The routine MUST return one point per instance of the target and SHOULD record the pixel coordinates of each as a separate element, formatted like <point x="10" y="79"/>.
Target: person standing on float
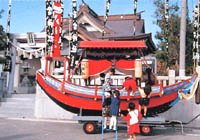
<point x="108" y="94"/>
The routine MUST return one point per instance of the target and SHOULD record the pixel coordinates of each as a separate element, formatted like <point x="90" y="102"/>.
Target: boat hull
<point x="91" y="105"/>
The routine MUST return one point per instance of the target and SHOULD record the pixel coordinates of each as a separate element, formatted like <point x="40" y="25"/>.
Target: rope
<point x="145" y="61"/>
<point x="106" y="16"/>
<point x="134" y="22"/>
<point x="147" y="65"/>
<point x="79" y="62"/>
<point x="28" y="51"/>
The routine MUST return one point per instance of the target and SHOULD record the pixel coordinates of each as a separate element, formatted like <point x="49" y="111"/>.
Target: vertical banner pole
<point x="106" y="16"/>
<point x="10" y="54"/>
<point x="74" y="42"/>
<point x="195" y="37"/>
<point x="134" y="21"/>
<point x="7" y="51"/>
<point x="167" y="28"/>
<point x="49" y="28"/>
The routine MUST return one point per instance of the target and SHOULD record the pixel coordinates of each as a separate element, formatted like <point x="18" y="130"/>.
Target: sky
<point x="29" y="15"/>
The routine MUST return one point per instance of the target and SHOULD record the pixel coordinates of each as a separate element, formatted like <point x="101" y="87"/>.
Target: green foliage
<point x="170" y="58"/>
<point x="2" y="38"/>
<point x="2" y="60"/>
<point x="189" y="47"/>
<point x="2" y="35"/>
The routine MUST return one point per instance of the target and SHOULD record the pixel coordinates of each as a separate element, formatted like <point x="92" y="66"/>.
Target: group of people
<point x="112" y="110"/>
<point x="111" y="103"/>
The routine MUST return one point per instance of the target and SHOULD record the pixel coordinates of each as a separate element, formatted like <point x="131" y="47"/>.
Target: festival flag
<point x="58" y="11"/>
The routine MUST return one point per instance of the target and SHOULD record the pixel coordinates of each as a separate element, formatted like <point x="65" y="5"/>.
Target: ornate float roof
<point x="118" y="27"/>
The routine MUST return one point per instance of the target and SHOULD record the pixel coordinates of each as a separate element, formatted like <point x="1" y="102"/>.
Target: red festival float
<point x="78" y="87"/>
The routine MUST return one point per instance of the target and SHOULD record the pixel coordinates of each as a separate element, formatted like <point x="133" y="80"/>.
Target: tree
<point x="2" y="39"/>
<point x="189" y="45"/>
<point x="171" y="58"/>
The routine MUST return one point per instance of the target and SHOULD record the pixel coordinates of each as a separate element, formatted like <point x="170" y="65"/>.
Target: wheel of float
<point x="90" y="127"/>
<point x="146" y="130"/>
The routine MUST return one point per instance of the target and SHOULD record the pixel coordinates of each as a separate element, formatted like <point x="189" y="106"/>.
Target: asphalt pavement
<point x="17" y="122"/>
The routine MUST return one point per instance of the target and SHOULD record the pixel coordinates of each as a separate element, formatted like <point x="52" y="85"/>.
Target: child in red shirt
<point x="130" y="85"/>
<point x="132" y="119"/>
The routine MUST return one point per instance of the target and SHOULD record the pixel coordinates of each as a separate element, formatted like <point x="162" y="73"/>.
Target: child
<point x="108" y="94"/>
<point x="149" y="77"/>
<point x="114" y="110"/>
<point x="144" y="101"/>
<point x="106" y="106"/>
<point x="108" y="81"/>
<point x="132" y="119"/>
<point x="130" y="85"/>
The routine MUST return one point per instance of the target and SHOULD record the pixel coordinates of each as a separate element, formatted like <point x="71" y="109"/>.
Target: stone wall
<point x="46" y="108"/>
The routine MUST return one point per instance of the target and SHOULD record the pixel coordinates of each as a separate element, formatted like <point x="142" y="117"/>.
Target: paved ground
<point x="18" y="106"/>
<point x="17" y="122"/>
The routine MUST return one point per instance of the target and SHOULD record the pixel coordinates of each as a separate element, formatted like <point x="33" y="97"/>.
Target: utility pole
<point x="182" y="39"/>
